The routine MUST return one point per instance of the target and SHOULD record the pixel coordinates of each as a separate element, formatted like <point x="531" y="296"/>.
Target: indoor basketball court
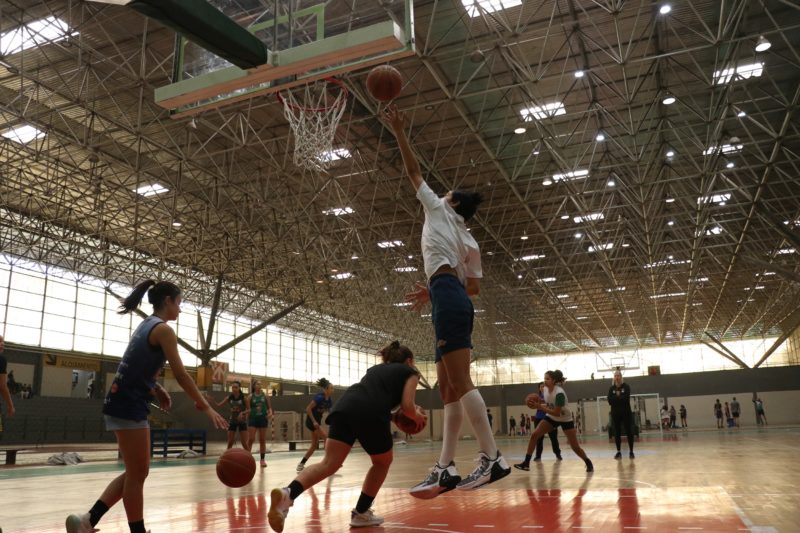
<point x="288" y="177"/>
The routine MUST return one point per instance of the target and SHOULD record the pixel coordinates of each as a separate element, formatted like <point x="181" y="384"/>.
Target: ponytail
<point x="323" y="383"/>
<point x="396" y="353"/>
<point x="157" y="293"/>
<point x="557" y="375"/>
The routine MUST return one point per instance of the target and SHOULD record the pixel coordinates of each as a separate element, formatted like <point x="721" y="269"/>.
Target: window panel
<point x="25" y="300"/>
<point x="58" y="324"/>
<point x="59" y="307"/>
<point x="21" y="334"/>
<point x="27" y="281"/>
<point x="90" y="313"/>
<point x="91" y="296"/>
<point x="24" y="317"/>
<point x="88" y="329"/>
<point x="61" y="290"/>
<point x="60" y="341"/>
<point x="114" y="348"/>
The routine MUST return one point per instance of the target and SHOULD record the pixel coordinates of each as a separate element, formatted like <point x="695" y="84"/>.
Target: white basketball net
<point x="313" y="112"/>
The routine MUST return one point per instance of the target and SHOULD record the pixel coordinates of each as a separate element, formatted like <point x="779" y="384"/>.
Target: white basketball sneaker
<point x="279" y="508"/>
<point x="439" y="480"/>
<point x="365" y="519"/>
<point x="79" y="524"/>
<point x="488" y="471"/>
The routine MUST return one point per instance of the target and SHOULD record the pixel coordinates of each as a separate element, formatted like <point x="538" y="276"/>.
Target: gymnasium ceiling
<point x="686" y="244"/>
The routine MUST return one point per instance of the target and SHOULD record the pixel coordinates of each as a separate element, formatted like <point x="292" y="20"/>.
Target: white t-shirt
<point x="445" y="239"/>
<point x="555" y="398"/>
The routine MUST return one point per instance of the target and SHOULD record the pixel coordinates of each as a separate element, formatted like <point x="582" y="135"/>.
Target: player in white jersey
<point x="557" y="414"/>
<point x="453" y="267"/>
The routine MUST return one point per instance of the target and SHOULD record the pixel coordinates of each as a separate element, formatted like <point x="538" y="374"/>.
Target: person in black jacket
<point x="619" y="398"/>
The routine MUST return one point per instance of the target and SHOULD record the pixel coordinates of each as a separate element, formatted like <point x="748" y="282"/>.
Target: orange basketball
<point x="406" y="424"/>
<point x="532" y="400"/>
<point x="236" y="467"/>
<point x="384" y="83"/>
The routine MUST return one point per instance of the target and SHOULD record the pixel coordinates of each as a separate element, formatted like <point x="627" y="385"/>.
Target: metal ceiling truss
<point x="237" y="210"/>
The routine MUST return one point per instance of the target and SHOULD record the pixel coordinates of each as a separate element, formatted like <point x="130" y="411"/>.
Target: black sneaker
<point x="589" y="466"/>
<point x="558" y="456"/>
<point x="523" y="466"/>
<point x="488" y="471"/>
<point x="441" y="479"/>
<point x="631" y="455"/>
<point x="618" y="456"/>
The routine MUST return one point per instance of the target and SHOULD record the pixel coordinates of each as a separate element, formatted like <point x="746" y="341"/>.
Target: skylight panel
<point x="572" y="175"/>
<point x="339" y="211"/>
<point x="476" y="7"/>
<point x="342" y="275"/>
<point x="23" y="134"/>
<point x="604" y="246"/>
<point x="390" y="244"/>
<point x="547" y="280"/>
<point x="737" y="73"/>
<point x="616" y="289"/>
<point x="532" y="257"/>
<point x="667" y="295"/>
<point x="698" y="280"/>
<point x="39" y="32"/>
<point x="151" y="190"/>
<point x="562" y="296"/>
<point x="720" y="199"/>
<point x="785" y="251"/>
<point x="667" y="262"/>
<point x="542" y="112"/>
<point x="402" y="304"/>
<point x="589" y="217"/>
<point x="724" y="148"/>
<point x="334" y="155"/>
<point x="406" y="269"/>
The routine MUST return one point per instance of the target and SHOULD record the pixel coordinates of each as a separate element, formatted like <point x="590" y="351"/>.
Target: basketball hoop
<point x="313" y="112"/>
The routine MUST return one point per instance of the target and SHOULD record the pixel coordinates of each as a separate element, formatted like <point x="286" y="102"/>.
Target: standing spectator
<point x="490" y="417"/>
<point x="90" y="389"/>
<point x="736" y="411"/>
<point x="718" y="413"/>
<point x="527" y="424"/>
<point x="683" y="416"/>
<point x="664" y="417"/>
<point x="4" y="392"/>
<point x="274" y="391"/>
<point x="728" y="417"/>
<point x="619" y="398"/>
<point x="672" y="417"/>
<point x="761" y="418"/>
<point x="13" y="386"/>
<point x="522" y="424"/>
<point x="512" y="426"/>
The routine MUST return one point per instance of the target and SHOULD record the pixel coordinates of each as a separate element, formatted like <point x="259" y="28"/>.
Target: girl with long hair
<point x="316" y="407"/>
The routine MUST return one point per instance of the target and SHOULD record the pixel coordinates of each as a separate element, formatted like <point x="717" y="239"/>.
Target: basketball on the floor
<point x="384" y="83"/>
<point x="406" y="424"/>
<point x="236" y="467"/>
<point x="532" y="400"/>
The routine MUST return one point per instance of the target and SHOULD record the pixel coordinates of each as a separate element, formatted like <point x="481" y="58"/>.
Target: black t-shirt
<point x="378" y="392"/>
<point x="3" y="365"/>
<point x="619" y="398"/>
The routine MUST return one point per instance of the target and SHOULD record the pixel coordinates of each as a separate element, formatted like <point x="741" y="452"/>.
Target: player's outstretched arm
<point x="397" y="121"/>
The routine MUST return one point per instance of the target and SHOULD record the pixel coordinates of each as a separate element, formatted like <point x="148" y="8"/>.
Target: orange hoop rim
<point x="332" y="81"/>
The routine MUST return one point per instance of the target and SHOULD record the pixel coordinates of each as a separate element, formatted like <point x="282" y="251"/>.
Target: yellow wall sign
<point x="74" y="363"/>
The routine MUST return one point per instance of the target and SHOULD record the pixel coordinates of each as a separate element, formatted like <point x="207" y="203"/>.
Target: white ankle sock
<point x="475" y="408"/>
<point x="451" y="431"/>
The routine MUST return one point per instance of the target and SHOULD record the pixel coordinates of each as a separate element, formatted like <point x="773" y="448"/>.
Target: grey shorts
<point x="118" y="424"/>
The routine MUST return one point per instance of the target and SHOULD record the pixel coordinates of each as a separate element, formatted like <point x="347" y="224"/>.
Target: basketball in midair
<point x="236" y="467"/>
<point x="384" y="83"/>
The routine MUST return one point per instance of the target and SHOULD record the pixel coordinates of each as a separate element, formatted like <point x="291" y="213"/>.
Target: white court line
<point x="478" y="525"/>
<point x="634" y="527"/>
<point x="532" y="527"/>
<point x="439" y="525"/>
<point x="683" y="528"/>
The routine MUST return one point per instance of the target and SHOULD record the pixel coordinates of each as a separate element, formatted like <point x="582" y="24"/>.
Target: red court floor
<point x="700" y="482"/>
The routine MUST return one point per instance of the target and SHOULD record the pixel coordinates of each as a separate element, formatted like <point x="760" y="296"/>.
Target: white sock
<point x="451" y="431"/>
<point x="475" y="408"/>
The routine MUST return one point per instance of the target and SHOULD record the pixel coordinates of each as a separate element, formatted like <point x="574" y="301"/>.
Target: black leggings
<point x="620" y="421"/>
<point x="553" y="440"/>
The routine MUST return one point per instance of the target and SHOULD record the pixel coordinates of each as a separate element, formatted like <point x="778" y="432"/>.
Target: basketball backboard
<point x="307" y="40"/>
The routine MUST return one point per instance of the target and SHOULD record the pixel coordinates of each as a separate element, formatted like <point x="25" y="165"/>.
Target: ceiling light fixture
<point x="611" y="183"/>
<point x="665" y="9"/>
<point x="730" y="164"/>
<point x="668" y="99"/>
<point x="670" y="153"/>
<point x="519" y="131"/>
<point x="600" y="137"/>
<point x="741" y="114"/>
<point x="579" y="73"/>
<point x="524" y="237"/>
<point x="762" y="44"/>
